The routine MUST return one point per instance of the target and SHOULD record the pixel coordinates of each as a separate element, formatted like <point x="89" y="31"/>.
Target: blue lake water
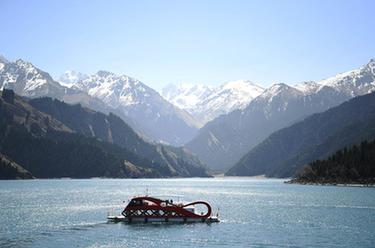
<point x="254" y="213"/>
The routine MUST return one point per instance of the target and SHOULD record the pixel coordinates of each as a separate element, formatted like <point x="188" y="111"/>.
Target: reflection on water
<point x="254" y="212"/>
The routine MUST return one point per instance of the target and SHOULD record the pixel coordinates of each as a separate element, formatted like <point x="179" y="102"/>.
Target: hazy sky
<point x="161" y="42"/>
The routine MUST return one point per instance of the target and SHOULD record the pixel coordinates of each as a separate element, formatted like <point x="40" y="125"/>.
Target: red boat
<point x="150" y="209"/>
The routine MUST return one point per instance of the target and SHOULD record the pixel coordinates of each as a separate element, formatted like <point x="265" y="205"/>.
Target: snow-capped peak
<point x="275" y="89"/>
<point x="371" y="66"/>
<point x="278" y="90"/>
<point x="186" y="95"/>
<point x="233" y="95"/>
<point x="307" y="87"/>
<point x="27" y="66"/>
<point x="23" y="63"/>
<point x="333" y="81"/>
<point x="242" y="85"/>
<point x="353" y="83"/>
<point x="3" y="60"/>
<point x="26" y="79"/>
<point x="115" y="90"/>
<point x="206" y="102"/>
<point x="105" y="74"/>
<point x="69" y="78"/>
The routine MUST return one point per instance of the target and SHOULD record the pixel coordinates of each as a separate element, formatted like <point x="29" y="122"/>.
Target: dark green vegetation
<point x="318" y="136"/>
<point x="11" y="170"/>
<point x="52" y="139"/>
<point x="347" y="166"/>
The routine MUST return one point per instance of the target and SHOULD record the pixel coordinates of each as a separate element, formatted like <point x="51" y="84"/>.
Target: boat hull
<point x="122" y="218"/>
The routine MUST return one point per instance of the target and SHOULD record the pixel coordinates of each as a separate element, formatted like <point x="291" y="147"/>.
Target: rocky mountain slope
<point x="12" y="170"/>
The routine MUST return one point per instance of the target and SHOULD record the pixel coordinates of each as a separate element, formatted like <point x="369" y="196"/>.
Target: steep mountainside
<point x="47" y="147"/>
<point x="222" y="142"/>
<point x="110" y="128"/>
<point x="316" y="137"/>
<point x="206" y="103"/>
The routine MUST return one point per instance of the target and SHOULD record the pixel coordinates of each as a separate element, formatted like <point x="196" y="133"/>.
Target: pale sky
<point x="211" y="42"/>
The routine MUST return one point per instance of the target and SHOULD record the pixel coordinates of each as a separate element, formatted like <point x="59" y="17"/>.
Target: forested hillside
<point x="354" y="165"/>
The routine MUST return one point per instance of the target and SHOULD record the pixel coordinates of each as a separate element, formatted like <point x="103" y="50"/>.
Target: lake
<point x="254" y="213"/>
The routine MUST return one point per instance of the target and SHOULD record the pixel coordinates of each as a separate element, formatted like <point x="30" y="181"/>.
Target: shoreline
<point x="222" y="175"/>
<point x="218" y="176"/>
<point x="356" y="185"/>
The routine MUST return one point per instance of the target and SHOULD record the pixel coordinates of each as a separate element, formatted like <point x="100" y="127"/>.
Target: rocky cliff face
<point x="12" y="170"/>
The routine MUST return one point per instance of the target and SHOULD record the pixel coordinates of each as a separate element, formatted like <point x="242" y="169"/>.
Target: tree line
<point x="349" y="165"/>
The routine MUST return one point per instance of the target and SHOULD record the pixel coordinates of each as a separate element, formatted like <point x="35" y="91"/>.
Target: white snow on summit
<point x="27" y="80"/>
<point x="307" y="87"/>
<point x="156" y="117"/>
<point x="206" y="103"/>
<point x="352" y="83"/>
<point x="69" y="78"/>
<point x="335" y="80"/>
<point x="116" y="90"/>
<point x="185" y="95"/>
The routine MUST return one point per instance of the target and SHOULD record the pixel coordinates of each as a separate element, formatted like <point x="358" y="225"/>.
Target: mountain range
<point x="221" y="125"/>
<point x="285" y="151"/>
<point x="222" y="142"/>
<point x="139" y="105"/>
